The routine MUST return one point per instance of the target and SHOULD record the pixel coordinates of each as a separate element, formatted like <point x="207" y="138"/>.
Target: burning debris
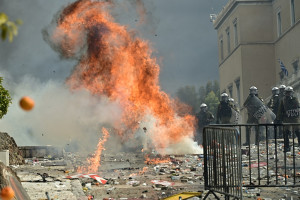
<point x="94" y="162"/>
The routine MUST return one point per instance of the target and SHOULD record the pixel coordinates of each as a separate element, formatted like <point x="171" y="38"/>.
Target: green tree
<point x="8" y="28"/>
<point x="212" y="102"/>
<point x="5" y="99"/>
<point x="216" y="88"/>
<point x="188" y="95"/>
<point x="209" y="87"/>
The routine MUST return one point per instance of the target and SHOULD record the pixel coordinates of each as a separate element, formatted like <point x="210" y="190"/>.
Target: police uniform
<point x="288" y="112"/>
<point x="274" y="104"/>
<point x="224" y="113"/>
<point x="204" y="118"/>
<point x="253" y="104"/>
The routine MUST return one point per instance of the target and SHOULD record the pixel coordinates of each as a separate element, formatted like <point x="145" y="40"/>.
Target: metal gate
<point x="222" y="162"/>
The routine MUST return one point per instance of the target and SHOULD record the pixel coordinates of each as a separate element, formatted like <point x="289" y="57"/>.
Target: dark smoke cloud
<point x="179" y="30"/>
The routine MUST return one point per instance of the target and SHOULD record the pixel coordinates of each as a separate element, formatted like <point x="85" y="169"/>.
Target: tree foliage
<point x="5" y="99"/>
<point x="188" y="95"/>
<point x="8" y="28"/>
<point x="212" y="102"/>
<point x="208" y="94"/>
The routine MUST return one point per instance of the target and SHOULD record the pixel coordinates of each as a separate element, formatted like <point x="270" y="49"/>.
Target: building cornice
<point x="231" y="5"/>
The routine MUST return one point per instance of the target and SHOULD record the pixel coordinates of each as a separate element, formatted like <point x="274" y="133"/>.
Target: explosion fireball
<point x="115" y="63"/>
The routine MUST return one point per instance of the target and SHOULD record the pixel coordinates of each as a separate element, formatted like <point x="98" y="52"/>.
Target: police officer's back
<point x="204" y="118"/>
<point x="253" y="103"/>
<point x="224" y="111"/>
<point x="281" y="92"/>
<point x="273" y="104"/>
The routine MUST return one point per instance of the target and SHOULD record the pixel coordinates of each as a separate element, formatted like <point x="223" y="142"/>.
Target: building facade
<point x="252" y="36"/>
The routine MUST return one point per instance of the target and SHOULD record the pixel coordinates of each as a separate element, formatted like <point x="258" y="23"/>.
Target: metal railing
<point x="270" y="160"/>
<point x="222" y="162"/>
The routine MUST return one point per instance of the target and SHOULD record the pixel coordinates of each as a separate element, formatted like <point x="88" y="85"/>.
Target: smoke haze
<point x="178" y="30"/>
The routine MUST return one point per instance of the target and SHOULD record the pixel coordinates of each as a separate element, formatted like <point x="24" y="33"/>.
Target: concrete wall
<point x="4" y="157"/>
<point x="258" y="69"/>
<point x="256" y="23"/>
<point x="41" y="151"/>
<point x="230" y="71"/>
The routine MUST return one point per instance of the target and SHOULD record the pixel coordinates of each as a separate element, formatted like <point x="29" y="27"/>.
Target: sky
<point x="181" y="33"/>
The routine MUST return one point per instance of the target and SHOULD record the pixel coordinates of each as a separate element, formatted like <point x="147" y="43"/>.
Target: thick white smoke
<point x="60" y="117"/>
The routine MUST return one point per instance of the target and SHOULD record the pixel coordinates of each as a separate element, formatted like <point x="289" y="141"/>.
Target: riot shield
<point x="259" y="111"/>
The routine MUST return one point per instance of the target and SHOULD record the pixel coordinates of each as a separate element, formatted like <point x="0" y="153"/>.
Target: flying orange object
<point x="26" y="103"/>
<point x="7" y="193"/>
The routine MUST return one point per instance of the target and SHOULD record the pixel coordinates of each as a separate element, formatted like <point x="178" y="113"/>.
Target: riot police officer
<point x="281" y="92"/>
<point x="224" y="111"/>
<point x="233" y="105"/>
<point x="274" y="101"/>
<point x="204" y="118"/>
<point x="288" y="112"/>
<point x="253" y="103"/>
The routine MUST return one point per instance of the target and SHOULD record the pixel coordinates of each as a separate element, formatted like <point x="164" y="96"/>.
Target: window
<point x="296" y="66"/>
<point x="236" y="41"/>
<point x="237" y="84"/>
<point x="228" y="40"/>
<point x="221" y="49"/>
<point x="279" y="29"/>
<point x="230" y="89"/>
<point x="292" y="12"/>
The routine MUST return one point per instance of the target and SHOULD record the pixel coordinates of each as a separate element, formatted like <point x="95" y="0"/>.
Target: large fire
<point x="94" y="162"/>
<point x="115" y="63"/>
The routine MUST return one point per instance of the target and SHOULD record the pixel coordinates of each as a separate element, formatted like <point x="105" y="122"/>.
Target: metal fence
<point x="270" y="159"/>
<point x="222" y="162"/>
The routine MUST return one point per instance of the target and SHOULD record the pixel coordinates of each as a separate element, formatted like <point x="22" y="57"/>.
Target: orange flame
<point x="155" y="161"/>
<point x="94" y="162"/>
<point x="143" y="171"/>
<point x="115" y="63"/>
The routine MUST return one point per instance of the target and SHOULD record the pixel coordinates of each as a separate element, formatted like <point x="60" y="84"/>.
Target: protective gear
<point x="203" y="105"/>
<point x="288" y="112"/>
<point x="288" y="91"/>
<point x="204" y="118"/>
<point x="275" y="91"/>
<point x="224" y="111"/>
<point x="224" y="97"/>
<point x="273" y="104"/>
<point x="282" y="87"/>
<point x="253" y="90"/>
<point x="233" y="105"/>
